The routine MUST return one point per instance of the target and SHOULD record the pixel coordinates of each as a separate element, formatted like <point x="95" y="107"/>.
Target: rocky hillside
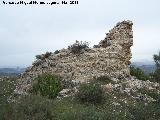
<point x="108" y="62"/>
<point x="83" y="83"/>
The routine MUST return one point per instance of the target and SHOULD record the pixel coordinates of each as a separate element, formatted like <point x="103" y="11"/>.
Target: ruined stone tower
<point x="110" y="58"/>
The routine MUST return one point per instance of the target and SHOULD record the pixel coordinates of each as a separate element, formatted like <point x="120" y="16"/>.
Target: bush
<point x="138" y="73"/>
<point x="86" y="113"/>
<point x="156" y="75"/>
<point x="156" y="58"/>
<point x="95" y="46"/>
<point x="47" y="85"/>
<point x="37" y="62"/>
<point x="145" y="112"/>
<point x="103" y="80"/>
<point x="56" y="52"/>
<point x="47" y="54"/>
<point x="90" y="93"/>
<point x="43" y="56"/>
<point x="39" y="57"/>
<point x="77" y="47"/>
<point x="29" y="108"/>
<point x="7" y="87"/>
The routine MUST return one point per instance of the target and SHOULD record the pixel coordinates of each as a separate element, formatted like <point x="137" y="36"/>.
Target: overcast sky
<point x="26" y="31"/>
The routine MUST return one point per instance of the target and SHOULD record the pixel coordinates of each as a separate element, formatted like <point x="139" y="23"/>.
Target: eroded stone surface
<point x="110" y="58"/>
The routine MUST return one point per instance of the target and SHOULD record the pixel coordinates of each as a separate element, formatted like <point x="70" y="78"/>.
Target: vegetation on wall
<point x="77" y="47"/>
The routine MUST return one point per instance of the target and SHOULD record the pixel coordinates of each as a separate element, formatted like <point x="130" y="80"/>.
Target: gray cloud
<point x="29" y="30"/>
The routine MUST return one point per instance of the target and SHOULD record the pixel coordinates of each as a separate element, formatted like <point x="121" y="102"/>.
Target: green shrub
<point x="30" y="108"/>
<point x="103" y="80"/>
<point x="156" y="75"/>
<point x="77" y="47"/>
<point x="37" y="62"/>
<point x="90" y="93"/>
<point x="43" y="56"/>
<point x="86" y="113"/>
<point x="56" y="52"/>
<point x="47" y="85"/>
<point x="138" y="73"/>
<point x="156" y="58"/>
<point x="7" y="87"/>
<point x="152" y="93"/>
<point x="47" y="54"/>
<point x="71" y="109"/>
<point x="95" y="46"/>
<point x="140" y="111"/>
<point x="39" y="57"/>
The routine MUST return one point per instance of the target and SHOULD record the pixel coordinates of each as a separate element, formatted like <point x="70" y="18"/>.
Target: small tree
<point x="157" y="60"/>
<point x="156" y="74"/>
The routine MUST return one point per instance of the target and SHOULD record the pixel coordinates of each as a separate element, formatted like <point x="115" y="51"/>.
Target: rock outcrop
<point x="111" y="58"/>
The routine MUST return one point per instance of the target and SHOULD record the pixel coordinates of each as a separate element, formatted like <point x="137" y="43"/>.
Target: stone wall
<point x="111" y="57"/>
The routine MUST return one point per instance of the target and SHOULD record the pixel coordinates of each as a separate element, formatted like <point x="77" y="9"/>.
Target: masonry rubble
<point x="132" y="87"/>
<point x="111" y="58"/>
